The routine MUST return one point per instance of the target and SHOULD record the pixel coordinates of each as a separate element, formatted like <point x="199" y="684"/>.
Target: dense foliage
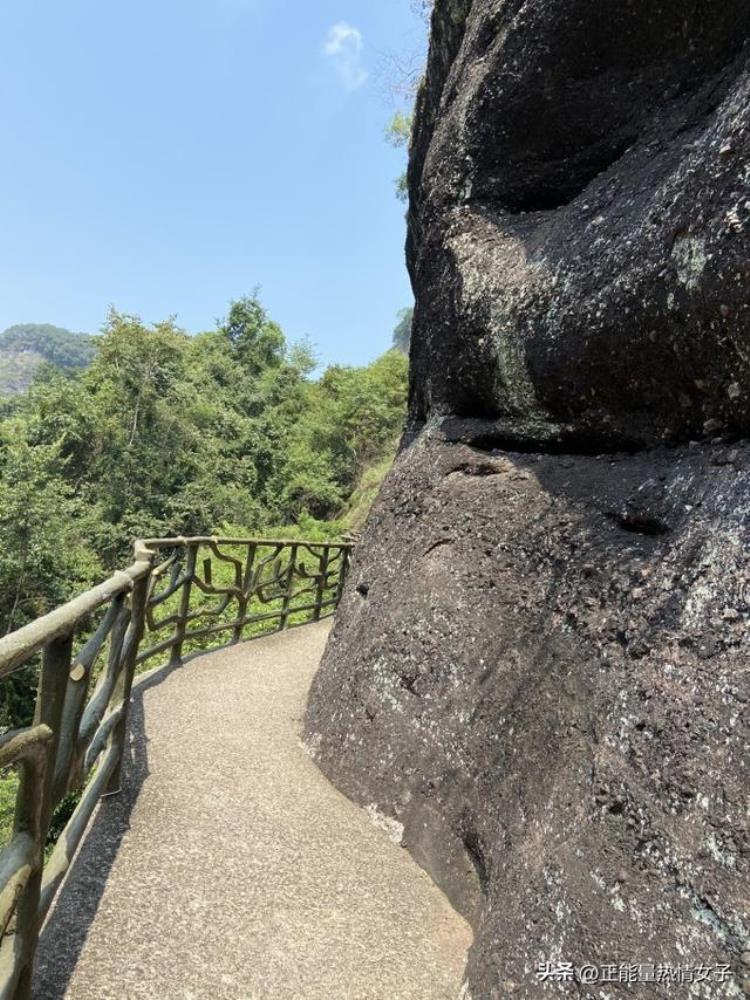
<point x="165" y="433"/>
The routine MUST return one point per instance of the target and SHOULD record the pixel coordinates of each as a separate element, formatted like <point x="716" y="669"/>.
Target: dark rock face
<point x="540" y="669"/>
<point x="580" y="218"/>
<point x="540" y="665"/>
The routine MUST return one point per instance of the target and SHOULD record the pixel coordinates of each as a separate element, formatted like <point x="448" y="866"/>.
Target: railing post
<point x="247" y="591"/>
<point x="191" y="555"/>
<point x="284" y="622"/>
<point x="342" y="574"/>
<point x="53" y="683"/>
<point x="121" y="693"/>
<point x="320" y="587"/>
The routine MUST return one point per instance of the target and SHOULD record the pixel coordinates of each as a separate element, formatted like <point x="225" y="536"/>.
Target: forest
<point x="231" y="431"/>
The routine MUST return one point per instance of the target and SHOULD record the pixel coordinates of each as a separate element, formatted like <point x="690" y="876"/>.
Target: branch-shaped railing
<point x="204" y="588"/>
<point x="186" y="595"/>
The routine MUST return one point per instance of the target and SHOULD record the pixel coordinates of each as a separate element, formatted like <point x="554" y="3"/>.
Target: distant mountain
<point x="23" y="348"/>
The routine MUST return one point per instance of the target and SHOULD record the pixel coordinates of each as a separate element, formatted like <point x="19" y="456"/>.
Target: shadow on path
<point x="64" y="936"/>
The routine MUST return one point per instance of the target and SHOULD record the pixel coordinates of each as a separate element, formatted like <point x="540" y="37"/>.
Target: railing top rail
<point x="75" y="746"/>
<point x="18" y="646"/>
<point x="164" y="543"/>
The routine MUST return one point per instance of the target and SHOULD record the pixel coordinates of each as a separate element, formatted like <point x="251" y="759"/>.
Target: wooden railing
<point x="187" y="595"/>
<point x="204" y="588"/>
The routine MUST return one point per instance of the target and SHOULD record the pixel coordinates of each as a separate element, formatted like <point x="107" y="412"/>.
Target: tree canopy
<point x="165" y="433"/>
<point x="169" y="434"/>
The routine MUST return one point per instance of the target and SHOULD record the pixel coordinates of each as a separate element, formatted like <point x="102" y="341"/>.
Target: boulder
<point x="539" y="669"/>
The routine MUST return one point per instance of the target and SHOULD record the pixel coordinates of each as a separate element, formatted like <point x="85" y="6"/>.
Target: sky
<point x="166" y="156"/>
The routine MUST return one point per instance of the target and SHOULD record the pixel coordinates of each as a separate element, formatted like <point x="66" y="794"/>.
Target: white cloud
<point x="343" y="47"/>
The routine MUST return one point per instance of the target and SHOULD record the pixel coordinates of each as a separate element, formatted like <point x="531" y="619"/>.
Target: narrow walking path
<point x="230" y="868"/>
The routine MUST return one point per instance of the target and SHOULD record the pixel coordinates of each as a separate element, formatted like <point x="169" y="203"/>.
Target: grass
<point x="356" y="512"/>
<point x="8" y="787"/>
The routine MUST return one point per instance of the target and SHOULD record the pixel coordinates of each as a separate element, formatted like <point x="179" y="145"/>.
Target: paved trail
<point x="230" y="868"/>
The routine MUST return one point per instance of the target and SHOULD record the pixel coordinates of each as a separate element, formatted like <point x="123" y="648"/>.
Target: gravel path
<point x="230" y="868"/>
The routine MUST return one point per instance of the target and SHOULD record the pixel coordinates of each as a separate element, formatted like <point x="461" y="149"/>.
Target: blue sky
<point x="165" y="156"/>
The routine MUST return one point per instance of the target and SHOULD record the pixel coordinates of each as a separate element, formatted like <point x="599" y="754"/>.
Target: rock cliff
<point x="540" y="666"/>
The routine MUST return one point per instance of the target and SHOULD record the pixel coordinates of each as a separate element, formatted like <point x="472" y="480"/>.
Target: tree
<point x="45" y="558"/>
<point x="167" y="434"/>
<point x="44" y="554"/>
<point x="404" y="73"/>
<point x="257" y="341"/>
<point x="398" y="134"/>
<point x="141" y="449"/>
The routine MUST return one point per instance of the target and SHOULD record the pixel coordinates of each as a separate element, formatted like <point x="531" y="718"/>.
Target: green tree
<point x="398" y="135"/>
<point x="353" y="417"/>
<point x="257" y="341"/>
<point x="405" y="72"/>
<point x="169" y="434"/>
<point x="141" y="447"/>
<point x="46" y="556"/>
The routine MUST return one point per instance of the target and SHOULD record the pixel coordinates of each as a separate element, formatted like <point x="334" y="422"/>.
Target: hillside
<point x="27" y="346"/>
